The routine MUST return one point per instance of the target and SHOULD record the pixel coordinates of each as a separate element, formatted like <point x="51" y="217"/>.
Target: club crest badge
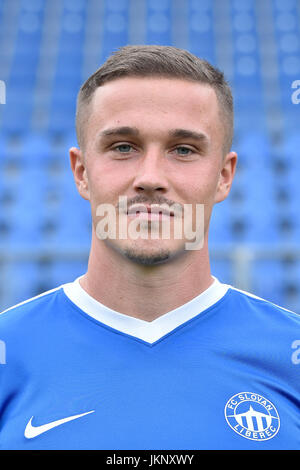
<point x="252" y="416"/>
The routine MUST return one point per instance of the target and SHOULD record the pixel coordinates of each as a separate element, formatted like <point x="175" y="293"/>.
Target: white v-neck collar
<point x="146" y="331"/>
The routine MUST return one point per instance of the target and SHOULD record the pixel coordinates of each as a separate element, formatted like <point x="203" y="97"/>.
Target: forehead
<point x="150" y="103"/>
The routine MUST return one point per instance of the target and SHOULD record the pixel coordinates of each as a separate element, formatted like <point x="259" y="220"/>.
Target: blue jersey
<point x="219" y="372"/>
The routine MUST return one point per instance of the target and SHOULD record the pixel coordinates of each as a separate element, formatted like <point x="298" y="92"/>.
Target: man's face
<point x="156" y="141"/>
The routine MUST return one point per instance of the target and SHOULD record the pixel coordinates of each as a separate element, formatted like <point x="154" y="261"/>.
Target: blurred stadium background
<point x="49" y="47"/>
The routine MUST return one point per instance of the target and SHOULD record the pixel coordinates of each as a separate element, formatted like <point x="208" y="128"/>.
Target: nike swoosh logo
<point x="33" y="431"/>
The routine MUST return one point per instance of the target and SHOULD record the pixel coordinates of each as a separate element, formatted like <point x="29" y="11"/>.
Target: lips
<point x="137" y="209"/>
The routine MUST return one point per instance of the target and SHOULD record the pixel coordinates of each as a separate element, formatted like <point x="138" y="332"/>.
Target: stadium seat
<point x="46" y="50"/>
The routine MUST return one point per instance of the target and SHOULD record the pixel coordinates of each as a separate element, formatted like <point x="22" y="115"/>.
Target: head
<point x="156" y="61"/>
<point x="154" y="124"/>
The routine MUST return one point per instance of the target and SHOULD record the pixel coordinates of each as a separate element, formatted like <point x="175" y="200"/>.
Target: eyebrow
<point x="188" y="134"/>
<point x="175" y="133"/>
<point x="124" y="130"/>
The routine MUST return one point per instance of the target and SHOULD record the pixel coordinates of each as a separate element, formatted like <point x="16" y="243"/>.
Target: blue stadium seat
<point x="220" y="232"/>
<point x="61" y="272"/>
<point x="268" y="280"/>
<point x="291" y="146"/>
<point x="17" y="120"/>
<point x="21" y="280"/>
<point x="37" y="149"/>
<point x="37" y="191"/>
<point x="200" y="27"/>
<point x="254" y="145"/>
<point x="158" y="18"/>
<point x="222" y="269"/>
<point x="115" y="32"/>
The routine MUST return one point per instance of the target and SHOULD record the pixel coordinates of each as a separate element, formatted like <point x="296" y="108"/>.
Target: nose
<point x="151" y="173"/>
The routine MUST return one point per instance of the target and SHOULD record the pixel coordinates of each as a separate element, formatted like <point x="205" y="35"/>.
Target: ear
<point x="79" y="172"/>
<point x="226" y="176"/>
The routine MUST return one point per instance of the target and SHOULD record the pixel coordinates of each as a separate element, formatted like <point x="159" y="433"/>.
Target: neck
<point x="145" y="292"/>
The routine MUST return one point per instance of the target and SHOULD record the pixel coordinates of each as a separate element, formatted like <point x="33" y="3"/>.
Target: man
<point x="148" y="350"/>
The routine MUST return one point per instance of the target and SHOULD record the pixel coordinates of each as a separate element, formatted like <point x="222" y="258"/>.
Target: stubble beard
<point x="147" y="259"/>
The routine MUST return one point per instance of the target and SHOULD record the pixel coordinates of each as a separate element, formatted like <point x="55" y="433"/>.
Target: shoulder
<point x="264" y="334"/>
<point x="263" y="306"/>
<point x="23" y="311"/>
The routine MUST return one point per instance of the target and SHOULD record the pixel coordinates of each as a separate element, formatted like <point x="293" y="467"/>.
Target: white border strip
<point x="264" y="300"/>
<point x="32" y="298"/>
<point x="146" y="331"/>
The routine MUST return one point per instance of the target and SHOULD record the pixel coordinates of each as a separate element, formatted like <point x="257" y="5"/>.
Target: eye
<point x="183" y="151"/>
<point x="123" y="148"/>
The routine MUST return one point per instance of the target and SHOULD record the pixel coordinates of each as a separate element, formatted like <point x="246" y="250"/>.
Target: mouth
<point x="150" y="212"/>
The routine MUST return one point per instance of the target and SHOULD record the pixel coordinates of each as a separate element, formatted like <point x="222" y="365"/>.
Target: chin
<point x="148" y="252"/>
<point x="147" y="259"/>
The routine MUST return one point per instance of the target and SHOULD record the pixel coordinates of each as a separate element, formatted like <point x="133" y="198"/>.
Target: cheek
<point x="201" y="187"/>
<point x="105" y="186"/>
